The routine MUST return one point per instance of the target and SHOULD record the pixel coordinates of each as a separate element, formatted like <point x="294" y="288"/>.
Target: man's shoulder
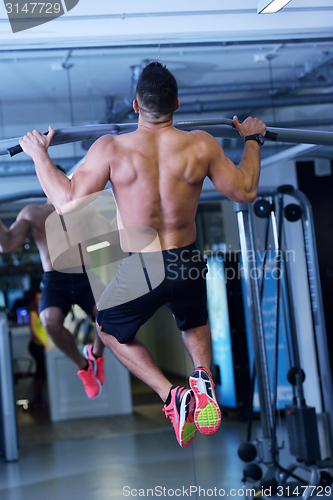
<point x="106" y="141"/>
<point x="105" y="145"/>
<point x="198" y="137"/>
<point x="203" y="142"/>
<point x="202" y="135"/>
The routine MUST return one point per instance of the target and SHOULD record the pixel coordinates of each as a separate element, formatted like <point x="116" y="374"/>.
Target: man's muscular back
<point x="157" y="177"/>
<point x="157" y="174"/>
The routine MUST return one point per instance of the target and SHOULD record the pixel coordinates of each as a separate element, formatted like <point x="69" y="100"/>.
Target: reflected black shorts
<point x="183" y="291"/>
<point x="66" y="289"/>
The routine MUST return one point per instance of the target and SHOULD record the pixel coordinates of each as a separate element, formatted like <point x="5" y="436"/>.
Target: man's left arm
<point x="89" y="178"/>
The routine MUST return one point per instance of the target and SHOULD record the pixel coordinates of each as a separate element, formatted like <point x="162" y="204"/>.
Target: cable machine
<point x="8" y="428"/>
<point x="301" y="420"/>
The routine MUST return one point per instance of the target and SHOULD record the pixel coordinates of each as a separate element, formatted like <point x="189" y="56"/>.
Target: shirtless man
<point x="59" y="292"/>
<point x="157" y="174"/>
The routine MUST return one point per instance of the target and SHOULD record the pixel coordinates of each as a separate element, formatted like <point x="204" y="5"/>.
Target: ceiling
<point x="81" y="68"/>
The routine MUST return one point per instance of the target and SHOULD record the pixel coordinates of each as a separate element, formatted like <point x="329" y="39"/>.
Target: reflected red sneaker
<point x="180" y="410"/>
<point x="88" y="354"/>
<point x="91" y="384"/>
<point x="207" y="415"/>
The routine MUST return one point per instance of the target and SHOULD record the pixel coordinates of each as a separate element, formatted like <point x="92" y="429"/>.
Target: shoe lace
<point x="89" y="377"/>
<point x="169" y="413"/>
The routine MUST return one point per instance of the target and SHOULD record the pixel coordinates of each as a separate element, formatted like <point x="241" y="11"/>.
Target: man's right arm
<point x="16" y="235"/>
<point x="239" y="184"/>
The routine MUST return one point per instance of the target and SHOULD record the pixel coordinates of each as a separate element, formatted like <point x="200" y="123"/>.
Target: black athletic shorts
<point x="183" y="290"/>
<point x="64" y="290"/>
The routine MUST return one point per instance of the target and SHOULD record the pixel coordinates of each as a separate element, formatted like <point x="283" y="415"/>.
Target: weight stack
<point x="303" y="433"/>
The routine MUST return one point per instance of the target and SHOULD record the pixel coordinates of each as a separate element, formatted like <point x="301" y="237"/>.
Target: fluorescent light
<point x="98" y="246"/>
<point x="270" y="7"/>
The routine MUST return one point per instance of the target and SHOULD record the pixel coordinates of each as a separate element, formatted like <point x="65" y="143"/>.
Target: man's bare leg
<point x="136" y="357"/>
<point x="52" y="319"/>
<point x="198" y="343"/>
<point x="98" y="346"/>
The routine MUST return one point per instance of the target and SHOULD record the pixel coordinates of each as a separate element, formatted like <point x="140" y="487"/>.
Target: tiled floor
<point x="123" y="457"/>
<point x="109" y="466"/>
<point x="129" y="464"/>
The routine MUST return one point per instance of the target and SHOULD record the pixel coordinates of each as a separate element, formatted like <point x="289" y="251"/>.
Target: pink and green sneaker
<point x="207" y="414"/>
<point x="179" y="407"/>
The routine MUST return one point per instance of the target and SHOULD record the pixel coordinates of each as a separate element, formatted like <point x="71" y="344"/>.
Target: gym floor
<point x="126" y="456"/>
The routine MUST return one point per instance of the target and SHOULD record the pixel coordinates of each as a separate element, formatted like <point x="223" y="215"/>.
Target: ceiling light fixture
<point x="270" y="7"/>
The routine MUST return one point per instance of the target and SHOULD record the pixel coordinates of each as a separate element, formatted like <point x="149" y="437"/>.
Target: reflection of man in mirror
<point x="157" y="174"/>
<point x="60" y="290"/>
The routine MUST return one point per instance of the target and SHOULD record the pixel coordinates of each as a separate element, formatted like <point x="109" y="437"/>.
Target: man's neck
<point x="154" y="125"/>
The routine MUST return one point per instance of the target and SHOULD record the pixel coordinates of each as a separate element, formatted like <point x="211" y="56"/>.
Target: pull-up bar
<point x="218" y="128"/>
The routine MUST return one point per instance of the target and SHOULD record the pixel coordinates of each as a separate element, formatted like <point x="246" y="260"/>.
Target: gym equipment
<point x="262" y="208"/>
<point x="301" y="420"/>
<point x="217" y="128"/>
<point x="292" y="212"/>
<point x="8" y="428"/>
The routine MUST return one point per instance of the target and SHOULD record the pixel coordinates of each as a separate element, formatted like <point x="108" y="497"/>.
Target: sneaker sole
<point x="207" y="415"/>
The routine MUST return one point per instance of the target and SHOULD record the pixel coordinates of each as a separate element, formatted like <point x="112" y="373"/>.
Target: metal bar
<point x="284" y="289"/>
<point x="7" y="407"/>
<point x="241" y="87"/>
<point x="257" y="103"/>
<point x="218" y="128"/>
<point x="255" y="315"/>
<point x="9" y="198"/>
<point x="184" y="44"/>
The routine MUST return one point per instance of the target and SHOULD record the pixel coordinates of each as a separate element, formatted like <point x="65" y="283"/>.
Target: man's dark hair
<point x="157" y="91"/>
